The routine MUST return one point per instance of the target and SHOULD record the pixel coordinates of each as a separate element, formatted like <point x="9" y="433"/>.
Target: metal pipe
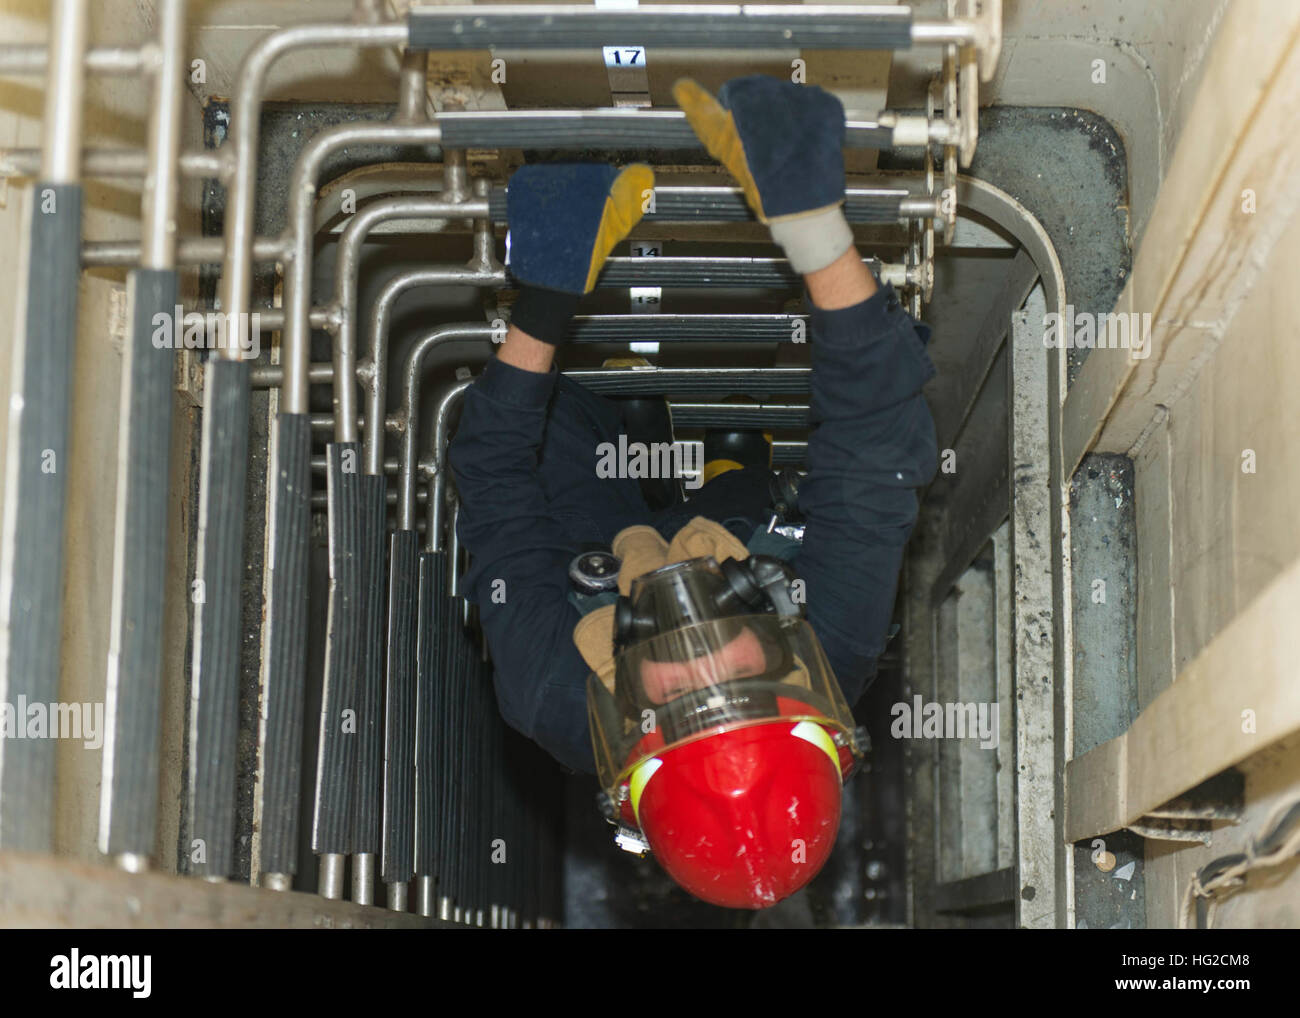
<point x="455" y="174"/>
<point x="397" y="896"/>
<point x="277" y="881"/>
<point x="65" y="87"/>
<point x="484" y="258"/>
<point x="111" y="162"/>
<point x="345" y="304"/>
<point x="920" y="207"/>
<point x="158" y="214"/>
<point x="35" y="59"/>
<point x="320" y="501"/>
<point x="438" y="486"/>
<point x="363" y="878"/>
<point x="318" y="464"/>
<point x="626" y="127"/>
<point x="939" y="33"/>
<point x="271" y="376"/>
<point x="547" y="129"/>
<point x="331" y="875"/>
<point x="296" y="340"/>
<point x="413" y="87"/>
<point x="380" y="313"/>
<point x="410" y="412"/>
<point x="237" y="275"/>
<point x="221" y="498"/>
<point x="325" y="422"/>
<point x="189" y="251"/>
<point x="424" y="895"/>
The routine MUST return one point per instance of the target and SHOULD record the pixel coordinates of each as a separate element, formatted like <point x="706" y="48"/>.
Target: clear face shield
<point x="704" y="671"/>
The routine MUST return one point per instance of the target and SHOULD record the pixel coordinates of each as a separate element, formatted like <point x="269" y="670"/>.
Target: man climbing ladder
<point x="525" y="452"/>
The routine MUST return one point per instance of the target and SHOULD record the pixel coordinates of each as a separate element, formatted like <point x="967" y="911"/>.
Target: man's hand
<point x="784" y="144"/>
<point x="564" y="221"/>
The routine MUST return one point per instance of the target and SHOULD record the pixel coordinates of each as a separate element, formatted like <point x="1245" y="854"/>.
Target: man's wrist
<point x="812" y="242"/>
<point x="845" y="282"/>
<point x="545" y="314"/>
<point x="526" y="352"/>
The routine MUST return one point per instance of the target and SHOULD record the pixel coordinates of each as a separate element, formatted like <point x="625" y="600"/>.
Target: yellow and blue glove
<point x="565" y="218"/>
<point x="784" y="144"/>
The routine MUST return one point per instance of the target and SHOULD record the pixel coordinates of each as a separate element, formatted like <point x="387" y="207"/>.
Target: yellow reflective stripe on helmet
<point x="644" y="771"/>
<point x="818" y="736"/>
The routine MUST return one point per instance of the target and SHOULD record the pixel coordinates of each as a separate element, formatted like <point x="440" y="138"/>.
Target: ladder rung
<point x="688" y="328"/>
<point x="676" y="204"/>
<point x="680" y="26"/>
<point x="738" y="415"/>
<point x="787" y="453"/>
<point x="684" y="381"/>
<point x="769" y="273"/>
<point x="602" y="128"/>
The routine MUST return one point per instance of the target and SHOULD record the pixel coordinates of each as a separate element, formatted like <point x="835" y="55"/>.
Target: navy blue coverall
<point x="524" y="459"/>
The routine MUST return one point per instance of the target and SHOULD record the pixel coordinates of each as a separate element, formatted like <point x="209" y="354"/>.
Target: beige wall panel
<point x="1233" y="531"/>
<point x="1155" y="669"/>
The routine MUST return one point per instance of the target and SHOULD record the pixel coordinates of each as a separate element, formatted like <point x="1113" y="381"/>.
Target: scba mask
<point x="721" y="737"/>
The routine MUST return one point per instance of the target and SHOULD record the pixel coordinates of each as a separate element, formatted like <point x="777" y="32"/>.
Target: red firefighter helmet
<point x="722" y="745"/>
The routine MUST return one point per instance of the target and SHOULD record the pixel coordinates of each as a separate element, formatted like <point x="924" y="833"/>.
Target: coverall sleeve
<point x="871" y="448"/>
<point x="520" y="556"/>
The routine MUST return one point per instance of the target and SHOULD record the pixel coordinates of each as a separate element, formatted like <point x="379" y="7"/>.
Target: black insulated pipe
<point x="133" y="694"/>
<point x="368" y="783"/>
<point x="405" y="588"/>
<point x="450" y="780"/>
<point x="444" y="761"/>
<point x="35" y="508"/>
<point x="129" y="787"/>
<point x="429" y="802"/>
<point x="284" y="643"/>
<point x="218" y="627"/>
<point x="339" y="719"/>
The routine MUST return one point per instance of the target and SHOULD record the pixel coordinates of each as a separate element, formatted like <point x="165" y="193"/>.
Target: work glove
<point x="564" y="221"/>
<point x="784" y="144"/>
